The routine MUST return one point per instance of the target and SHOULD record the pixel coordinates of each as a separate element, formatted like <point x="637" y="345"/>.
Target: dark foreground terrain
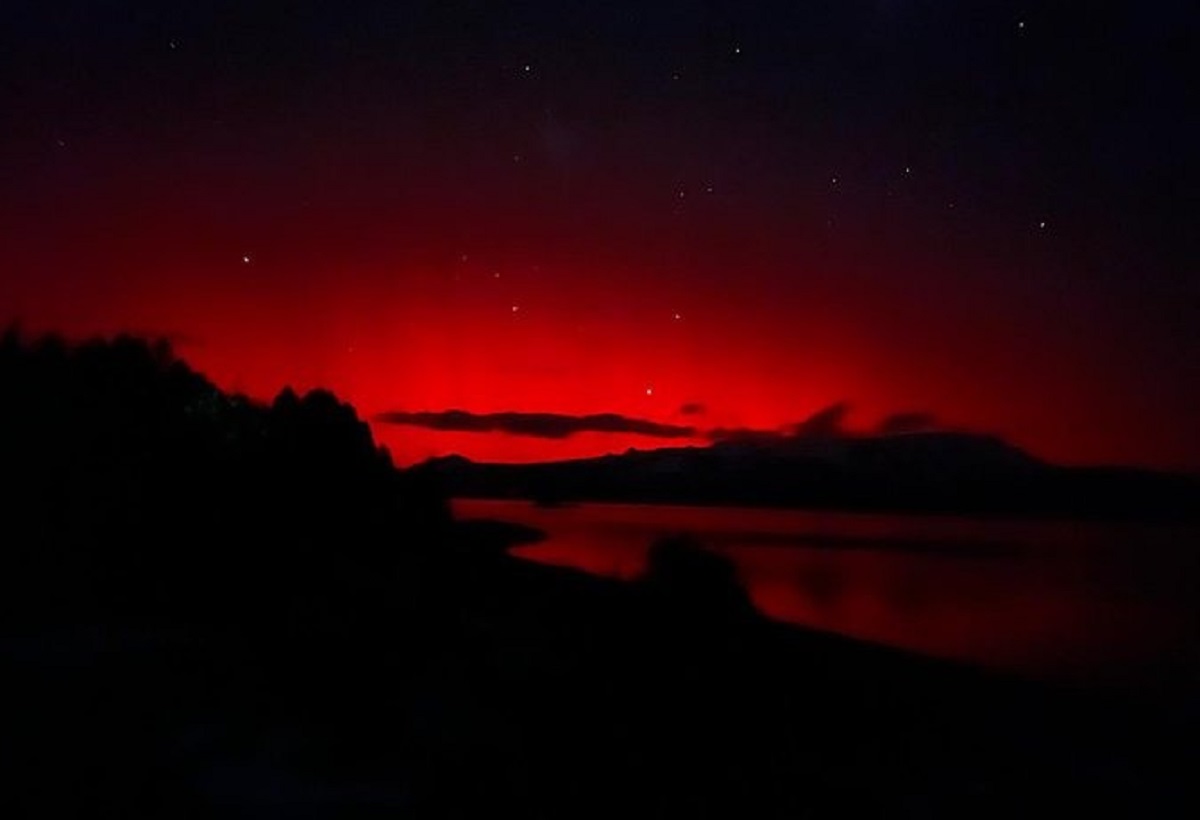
<point x="219" y="609"/>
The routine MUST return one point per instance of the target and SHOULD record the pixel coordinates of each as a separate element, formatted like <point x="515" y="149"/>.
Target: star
<point x="516" y="308"/>
<point x="245" y="259"/>
<point x="649" y="391"/>
<point x="737" y="49"/>
<point x="1021" y="25"/>
<point x="676" y="316"/>
<point x="907" y="170"/>
<point x="1042" y="224"/>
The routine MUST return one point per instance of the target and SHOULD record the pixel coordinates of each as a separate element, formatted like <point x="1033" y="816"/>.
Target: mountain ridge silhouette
<point x="925" y="472"/>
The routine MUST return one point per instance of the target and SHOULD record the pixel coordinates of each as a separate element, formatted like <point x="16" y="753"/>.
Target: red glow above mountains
<point x="762" y="349"/>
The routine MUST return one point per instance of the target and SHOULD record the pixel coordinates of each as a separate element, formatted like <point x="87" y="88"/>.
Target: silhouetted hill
<point x="134" y="482"/>
<point x="919" y="472"/>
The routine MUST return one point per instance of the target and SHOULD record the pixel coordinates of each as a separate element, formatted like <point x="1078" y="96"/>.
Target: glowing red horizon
<point x="444" y="336"/>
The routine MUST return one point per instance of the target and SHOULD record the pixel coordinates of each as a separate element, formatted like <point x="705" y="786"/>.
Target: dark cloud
<point x="825" y="423"/>
<point x="907" y="422"/>
<point x="539" y="425"/>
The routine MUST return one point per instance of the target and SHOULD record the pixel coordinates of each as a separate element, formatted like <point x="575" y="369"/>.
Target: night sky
<point x="687" y="215"/>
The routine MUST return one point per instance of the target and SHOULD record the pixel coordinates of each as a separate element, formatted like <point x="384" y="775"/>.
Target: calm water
<point x="1068" y="600"/>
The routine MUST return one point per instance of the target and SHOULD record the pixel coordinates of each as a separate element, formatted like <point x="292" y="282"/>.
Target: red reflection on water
<point x="1064" y="600"/>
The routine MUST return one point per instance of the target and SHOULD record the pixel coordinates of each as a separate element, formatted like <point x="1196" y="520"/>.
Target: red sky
<point x="845" y="207"/>
<point x="392" y="324"/>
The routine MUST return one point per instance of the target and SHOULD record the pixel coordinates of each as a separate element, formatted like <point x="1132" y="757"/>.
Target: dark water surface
<point x="1090" y="601"/>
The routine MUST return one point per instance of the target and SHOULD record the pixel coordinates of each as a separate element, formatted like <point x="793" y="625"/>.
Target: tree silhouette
<point x="137" y="482"/>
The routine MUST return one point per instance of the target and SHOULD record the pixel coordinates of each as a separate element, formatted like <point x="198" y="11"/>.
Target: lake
<point x="1073" y="601"/>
